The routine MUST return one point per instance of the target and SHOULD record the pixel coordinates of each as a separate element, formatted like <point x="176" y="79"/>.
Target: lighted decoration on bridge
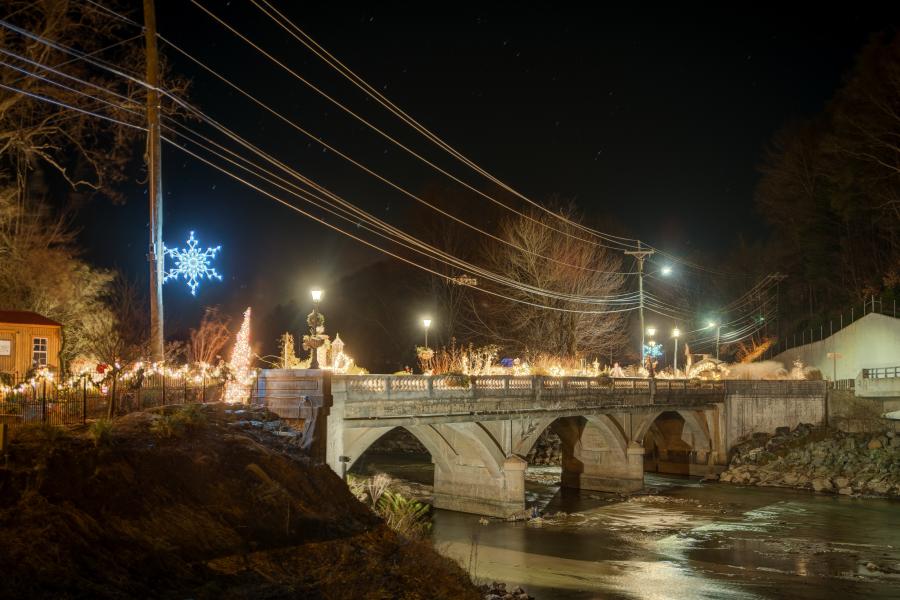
<point x="192" y="264"/>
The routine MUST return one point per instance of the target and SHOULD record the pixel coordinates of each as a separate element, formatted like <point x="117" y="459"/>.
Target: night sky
<point x="655" y="120"/>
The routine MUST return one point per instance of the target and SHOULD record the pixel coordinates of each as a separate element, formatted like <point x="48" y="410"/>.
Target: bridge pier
<point x="596" y="457"/>
<point x="472" y="489"/>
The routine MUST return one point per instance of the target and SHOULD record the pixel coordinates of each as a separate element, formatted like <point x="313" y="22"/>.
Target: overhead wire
<point x="387" y="136"/>
<point x="375" y="174"/>
<point x="104" y="65"/>
<point x="310" y="43"/>
<point x="295" y="208"/>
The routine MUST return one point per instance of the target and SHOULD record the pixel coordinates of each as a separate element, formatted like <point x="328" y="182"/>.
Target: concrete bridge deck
<point x="479" y="429"/>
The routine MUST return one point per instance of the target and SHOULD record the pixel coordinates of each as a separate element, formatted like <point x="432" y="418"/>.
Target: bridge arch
<point x="358" y="440"/>
<point x="675" y="442"/>
<point x="571" y="430"/>
<point x="694" y="423"/>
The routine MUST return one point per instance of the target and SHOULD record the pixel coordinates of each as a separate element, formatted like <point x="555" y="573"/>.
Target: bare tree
<point x="120" y="330"/>
<point x="52" y="158"/>
<point x="208" y="340"/>
<point x="541" y="257"/>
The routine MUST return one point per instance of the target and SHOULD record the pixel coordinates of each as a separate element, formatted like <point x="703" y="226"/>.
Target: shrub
<point x="101" y="432"/>
<point x="407" y="517"/>
<point x="189" y="418"/>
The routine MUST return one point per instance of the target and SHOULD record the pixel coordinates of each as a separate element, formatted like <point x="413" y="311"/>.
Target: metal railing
<point x="881" y="373"/>
<point x="843" y="384"/>
<point x="47" y="402"/>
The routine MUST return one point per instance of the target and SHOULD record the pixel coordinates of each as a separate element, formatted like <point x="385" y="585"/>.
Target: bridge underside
<point x="479" y="466"/>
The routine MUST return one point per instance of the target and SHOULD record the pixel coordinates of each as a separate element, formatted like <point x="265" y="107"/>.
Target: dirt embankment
<point x="218" y="505"/>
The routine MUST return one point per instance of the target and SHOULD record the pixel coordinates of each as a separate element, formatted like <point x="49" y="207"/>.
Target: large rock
<point x="822" y="484"/>
<point x="874" y="444"/>
<point x="880" y="487"/>
<point x="842" y="482"/>
<point x="845" y="491"/>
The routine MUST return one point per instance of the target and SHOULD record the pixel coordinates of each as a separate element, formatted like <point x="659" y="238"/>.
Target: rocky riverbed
<point x="820" y="459"/>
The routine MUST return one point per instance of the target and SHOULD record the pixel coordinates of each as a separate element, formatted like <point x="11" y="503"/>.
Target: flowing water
<point x="686" y="539"/>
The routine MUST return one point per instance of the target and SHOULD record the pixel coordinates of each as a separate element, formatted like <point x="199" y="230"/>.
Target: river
<point x="685" y="539"/>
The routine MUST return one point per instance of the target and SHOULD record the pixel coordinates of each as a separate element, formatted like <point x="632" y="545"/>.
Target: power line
<point x="526" y="289"/>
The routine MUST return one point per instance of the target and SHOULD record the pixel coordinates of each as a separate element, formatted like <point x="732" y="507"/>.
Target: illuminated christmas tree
<point x="239" y="365"/>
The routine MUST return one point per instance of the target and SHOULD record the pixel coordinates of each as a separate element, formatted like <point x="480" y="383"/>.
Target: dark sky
<point x="658" y="119"/>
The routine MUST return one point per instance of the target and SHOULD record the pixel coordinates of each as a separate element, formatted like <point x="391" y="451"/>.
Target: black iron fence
<point x="46" y="401"/>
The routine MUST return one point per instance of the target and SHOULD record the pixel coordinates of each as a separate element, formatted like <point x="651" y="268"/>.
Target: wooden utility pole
<point x="156" y="256"/>
<point x="640" y="255"/>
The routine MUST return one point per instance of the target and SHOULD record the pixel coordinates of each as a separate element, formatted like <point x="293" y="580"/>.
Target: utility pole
<point x="156" y="255"/>
<point x="640" y="255"/>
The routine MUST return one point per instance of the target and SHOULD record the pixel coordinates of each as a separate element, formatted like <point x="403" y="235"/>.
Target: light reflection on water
<point x="688" y="540"/>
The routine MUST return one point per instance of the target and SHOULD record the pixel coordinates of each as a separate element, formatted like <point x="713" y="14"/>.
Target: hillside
<point x="199" y="503"/>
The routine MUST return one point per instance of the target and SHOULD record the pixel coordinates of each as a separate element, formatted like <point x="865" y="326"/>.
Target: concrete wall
<point x="849" y="412"/>
<point x="884" y="387"/>
<point x="763" y="406"/>
<point x="872" y="341"/>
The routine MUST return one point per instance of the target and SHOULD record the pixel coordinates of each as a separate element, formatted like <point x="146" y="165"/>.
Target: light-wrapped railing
<point x="481" y="386"/>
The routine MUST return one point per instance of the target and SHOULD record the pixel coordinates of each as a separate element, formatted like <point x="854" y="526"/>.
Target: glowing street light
<point x="666" y="270"/>
<point x="316" y="295"/>
<point x="651" y="331"/>
<point x="426" y="323"/>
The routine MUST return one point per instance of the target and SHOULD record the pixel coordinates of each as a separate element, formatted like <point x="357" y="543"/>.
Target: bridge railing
<point x="512" y="385"/>
<point x="881" y="373"/>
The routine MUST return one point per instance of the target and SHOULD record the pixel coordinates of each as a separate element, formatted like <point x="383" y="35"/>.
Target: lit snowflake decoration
<point x="192" y="264"/>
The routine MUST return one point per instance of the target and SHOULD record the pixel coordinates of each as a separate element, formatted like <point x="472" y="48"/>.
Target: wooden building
<point x="28" y="340"/>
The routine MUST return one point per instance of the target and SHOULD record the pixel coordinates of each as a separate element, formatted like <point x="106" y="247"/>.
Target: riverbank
<point x="199" y="502"/>
<point x="820" y="459"/>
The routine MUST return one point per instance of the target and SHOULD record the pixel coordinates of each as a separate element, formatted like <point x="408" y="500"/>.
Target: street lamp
<point x="427" y="324"/>
<point x="675" y="335"/>
<point x="666" y="270"/>
<point x="718" y="327"/>
<point x="314" y="329"/>
<point x="651" y="331"/>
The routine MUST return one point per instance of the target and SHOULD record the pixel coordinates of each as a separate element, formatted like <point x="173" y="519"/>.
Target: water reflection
<point x="687" y="540"/>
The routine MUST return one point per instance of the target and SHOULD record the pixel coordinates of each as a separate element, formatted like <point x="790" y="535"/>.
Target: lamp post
<point x="426" y="323"/>
<point x="675" y="335"/>
<point x="718" y="327"/>
<point x="314" y="329"/>
<point x="651" y="331"/>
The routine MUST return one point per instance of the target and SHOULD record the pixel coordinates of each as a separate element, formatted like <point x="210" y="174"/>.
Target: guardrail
<point x="881" y="373"/>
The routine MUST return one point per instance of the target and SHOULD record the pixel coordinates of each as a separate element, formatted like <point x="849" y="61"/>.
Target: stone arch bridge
<point x="479" y="429"/>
